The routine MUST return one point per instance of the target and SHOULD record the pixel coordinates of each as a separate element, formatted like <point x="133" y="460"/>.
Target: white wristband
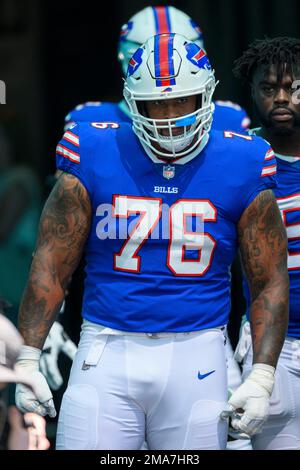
<point x="263" y="374"/>
<point x="264" y="367"/>
<point x="29" y="353"/>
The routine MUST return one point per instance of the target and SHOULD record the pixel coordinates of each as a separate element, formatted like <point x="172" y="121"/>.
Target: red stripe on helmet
<point x="163" y="25"/>
<point x="164" y="59"/>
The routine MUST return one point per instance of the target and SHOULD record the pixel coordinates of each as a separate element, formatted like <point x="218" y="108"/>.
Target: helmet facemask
<point x="194" y="126"/>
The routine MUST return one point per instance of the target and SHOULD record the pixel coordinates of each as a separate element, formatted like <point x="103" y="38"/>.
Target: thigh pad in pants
<point x="77" y="426"/>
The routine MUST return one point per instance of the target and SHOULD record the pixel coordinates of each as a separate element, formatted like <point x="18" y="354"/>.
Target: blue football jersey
<point x="288" y="198"/>
<point x="230" y="116"/>
<point x="96" y="111"/>
<point x="163" y="235"/>
<point x="227" y="115"/>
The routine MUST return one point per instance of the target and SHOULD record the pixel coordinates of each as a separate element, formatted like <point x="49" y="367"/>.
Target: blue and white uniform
<point x="282" y="430"/>
<point x="163" y="236"/>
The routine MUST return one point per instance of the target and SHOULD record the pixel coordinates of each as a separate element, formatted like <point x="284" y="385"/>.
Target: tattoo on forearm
<point x="64" y="227"/>
<point x="263" y="248"/>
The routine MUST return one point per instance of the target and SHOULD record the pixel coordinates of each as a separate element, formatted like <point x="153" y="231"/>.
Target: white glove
<point x="40" y="400"/>
<point x="57" y="341"/>
<point x="249" y="404"/>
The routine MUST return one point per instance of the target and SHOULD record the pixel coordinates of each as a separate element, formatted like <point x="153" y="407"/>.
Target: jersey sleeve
<point x="231" y="116"/>
<point x="243" y="120"/>
<point x="68" y="123"/>
<point x="70" y="119"/>
<point x="266" y="171"/>
<point x="86" y="112"/>
<point x="70" y="156"/>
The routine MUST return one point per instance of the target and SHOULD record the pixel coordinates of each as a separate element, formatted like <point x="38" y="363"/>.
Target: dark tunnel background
<point x="57" y="54"/>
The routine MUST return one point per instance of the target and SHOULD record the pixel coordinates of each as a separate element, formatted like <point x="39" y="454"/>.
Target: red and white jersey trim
<point x="65" y="152"/>
<point x="269" y="170"/>
<point x="270" y="155"/>
<point x="72" y="138"/>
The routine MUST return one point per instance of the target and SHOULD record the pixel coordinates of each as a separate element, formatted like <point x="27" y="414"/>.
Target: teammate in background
<point x="271" y="67"/>
<point x="140" y="27"/>
<point x="159" y="211"/>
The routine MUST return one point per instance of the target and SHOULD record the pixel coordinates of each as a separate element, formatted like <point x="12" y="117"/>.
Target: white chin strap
<point x="176" y="144"/>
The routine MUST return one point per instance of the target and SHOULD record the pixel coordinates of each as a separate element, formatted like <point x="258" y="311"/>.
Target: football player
<point x="144" y="24"/>
<point x="227" y="115"/>
<point x="159" y="210"/>
<point x="271" y="67"/>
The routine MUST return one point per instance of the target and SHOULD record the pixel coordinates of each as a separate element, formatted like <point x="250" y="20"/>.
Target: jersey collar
<point x="286" y="158"/>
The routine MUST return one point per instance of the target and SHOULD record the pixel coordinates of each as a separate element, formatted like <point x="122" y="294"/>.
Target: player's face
<point x="171" y="109"/>
<point x="274" y="98"/>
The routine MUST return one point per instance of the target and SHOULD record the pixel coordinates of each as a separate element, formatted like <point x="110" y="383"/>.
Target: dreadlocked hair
<point x="283" y="52"/>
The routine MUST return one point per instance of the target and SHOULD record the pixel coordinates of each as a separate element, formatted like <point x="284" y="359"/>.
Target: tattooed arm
<point x="64" y="227"/>
<point x="263" y="247"/>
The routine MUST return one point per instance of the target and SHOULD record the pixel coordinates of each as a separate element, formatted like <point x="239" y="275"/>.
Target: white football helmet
<point x="169" y="66"/>
<point x="151" y="21"/>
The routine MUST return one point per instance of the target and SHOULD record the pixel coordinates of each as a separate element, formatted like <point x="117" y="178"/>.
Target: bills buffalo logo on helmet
<point x="197" y="29"/>
<point x="125" y="30"/>
<point x="135" y="62"/>
<point x="197" y="56"/>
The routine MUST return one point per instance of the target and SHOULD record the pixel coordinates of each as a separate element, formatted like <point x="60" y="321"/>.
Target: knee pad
<point x="206" y="430"/>
<point x="78" y="419"/>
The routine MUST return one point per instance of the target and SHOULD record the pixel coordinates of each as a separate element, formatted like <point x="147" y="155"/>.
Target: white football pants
<point x="233" y="370"/>
<point x="167" y="389"/>
<point x="282" y="429"/>
<point x="234" y="381"/>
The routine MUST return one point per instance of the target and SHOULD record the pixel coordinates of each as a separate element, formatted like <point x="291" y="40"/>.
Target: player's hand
<point x="27" y="432"/>
<point x="18" y="437"/>
<point x="40" y="399"/>
<point x="36" y="426"/>
<point x="57" y="341"/>
<point x="249" y="404"/>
